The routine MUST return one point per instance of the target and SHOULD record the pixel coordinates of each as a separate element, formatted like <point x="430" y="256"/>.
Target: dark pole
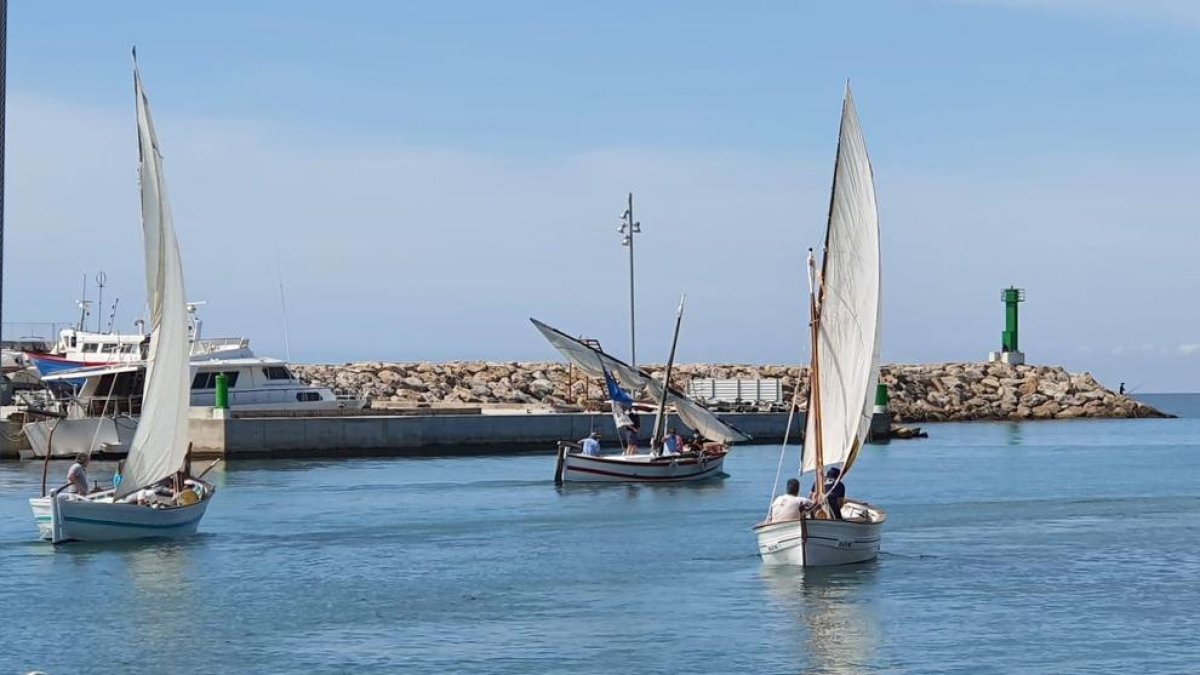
<point x="630" y="227"/>
<point x="3" y="106"/>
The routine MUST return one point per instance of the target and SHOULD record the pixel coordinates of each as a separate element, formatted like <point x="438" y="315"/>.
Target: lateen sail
<point x="849" y="310"/>
<point x="160" y="443"/>
<point x="592" y="361"/>
<point x="698" y="418"/>
<point x="589" y="360"/>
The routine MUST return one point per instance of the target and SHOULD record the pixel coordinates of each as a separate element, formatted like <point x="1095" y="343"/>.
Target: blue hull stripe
<point x="113" y="523"/>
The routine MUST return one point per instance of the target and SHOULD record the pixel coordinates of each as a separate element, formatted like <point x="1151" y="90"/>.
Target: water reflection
<point x="160" y="591"/>
<point x="841" y="632"/>
<point x="635" y="490"/>
<point x="1013" y="433"/>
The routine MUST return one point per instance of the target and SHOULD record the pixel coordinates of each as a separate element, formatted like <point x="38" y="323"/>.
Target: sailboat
<point x="844" y="310"/>
<point x="572" y="465"/>
<point x="137" y="508"/>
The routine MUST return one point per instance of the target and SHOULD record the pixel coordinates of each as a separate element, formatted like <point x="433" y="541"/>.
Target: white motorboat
<point x="103" y="415"/>
<point x="844" y="309"/>
<point x="79" y="348"/>
<point x="159" y="449"/>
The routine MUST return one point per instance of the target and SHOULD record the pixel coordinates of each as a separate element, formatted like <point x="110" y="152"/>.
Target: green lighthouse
<point x="1010" y="351"/>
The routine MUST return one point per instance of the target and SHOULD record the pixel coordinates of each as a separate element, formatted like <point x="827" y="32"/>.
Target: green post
<point x="222" y="401"/>
<point x="881" y="397"/>
<point x="1011" y="297"/>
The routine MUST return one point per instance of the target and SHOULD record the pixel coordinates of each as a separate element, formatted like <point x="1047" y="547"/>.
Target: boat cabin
<point x="254" y="384"/>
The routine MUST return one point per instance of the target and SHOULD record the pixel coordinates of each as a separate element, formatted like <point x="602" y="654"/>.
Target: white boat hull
<point x="645" y="468"/>
<point x="75" y="435"/>
<point x="811" y="542"/>
<point x="65" y="519"/>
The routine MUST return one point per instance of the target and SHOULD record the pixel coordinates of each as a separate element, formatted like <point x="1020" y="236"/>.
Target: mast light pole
<point x="628" y="228"/>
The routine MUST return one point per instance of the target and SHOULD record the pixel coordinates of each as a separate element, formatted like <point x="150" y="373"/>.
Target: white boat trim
<point x="62" y="518"/>
<point x="574" y="467"/>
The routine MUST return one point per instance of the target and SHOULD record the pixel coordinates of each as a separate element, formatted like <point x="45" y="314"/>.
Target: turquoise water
<point x="1037" y="547"/>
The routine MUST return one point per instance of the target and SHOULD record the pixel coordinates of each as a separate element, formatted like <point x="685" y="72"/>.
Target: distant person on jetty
<point x="835" y="491"/>
<point x="791" y="505"/>
<point x="591" y="444"/>
<point x="77" y="474"/>
<point x="1121" y="391"/>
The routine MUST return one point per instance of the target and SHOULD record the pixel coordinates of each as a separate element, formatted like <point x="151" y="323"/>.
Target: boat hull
<point x="811" y="542"/>
<point x="48" y="364"/>
<point x="83" y="520"/>
<point x="75" y="435"/>
<point x="643" y="468"/>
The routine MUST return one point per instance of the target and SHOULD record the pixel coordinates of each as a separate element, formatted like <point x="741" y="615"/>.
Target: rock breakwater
<point x="919" y="393"/>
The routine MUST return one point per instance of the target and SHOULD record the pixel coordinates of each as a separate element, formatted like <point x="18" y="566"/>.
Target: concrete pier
<point x="424" y="435"/>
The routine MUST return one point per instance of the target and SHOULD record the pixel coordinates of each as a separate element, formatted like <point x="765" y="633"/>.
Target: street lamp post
<point x="628" y="228"/>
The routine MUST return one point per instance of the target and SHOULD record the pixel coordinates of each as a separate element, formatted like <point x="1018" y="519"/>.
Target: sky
<point x="420" y="178"/>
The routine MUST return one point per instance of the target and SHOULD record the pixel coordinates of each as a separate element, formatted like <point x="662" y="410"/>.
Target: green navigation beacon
<point x="1010" y="351"/>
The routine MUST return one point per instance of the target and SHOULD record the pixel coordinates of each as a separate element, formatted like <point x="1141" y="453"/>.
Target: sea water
<point x="1026" y="547"/>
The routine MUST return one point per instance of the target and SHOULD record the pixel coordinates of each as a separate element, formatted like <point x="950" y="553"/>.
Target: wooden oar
<point x="210" y="467"/>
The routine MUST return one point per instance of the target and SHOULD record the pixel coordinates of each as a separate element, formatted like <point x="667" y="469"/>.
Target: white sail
<point x="591" y="360"/>
<point x="160" y="443"/>
<point x="698" y="418"/>
<point x="849" y="305"/>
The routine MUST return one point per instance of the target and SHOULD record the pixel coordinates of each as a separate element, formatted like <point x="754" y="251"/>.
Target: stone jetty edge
<point x="940" y="392"/>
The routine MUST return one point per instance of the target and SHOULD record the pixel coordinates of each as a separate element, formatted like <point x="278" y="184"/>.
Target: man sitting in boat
<point x="77" y="474"/>
<point x="791" y="505"/>
<point x="591" y="444"/>
<point x="835" y="491"/>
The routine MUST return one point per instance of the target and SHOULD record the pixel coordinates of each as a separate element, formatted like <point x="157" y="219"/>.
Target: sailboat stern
<point x="812" y="542"/>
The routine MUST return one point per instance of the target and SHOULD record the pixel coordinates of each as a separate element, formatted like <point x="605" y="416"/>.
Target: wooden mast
<point x="660" y="425"/>
<point x="814" y="388"/>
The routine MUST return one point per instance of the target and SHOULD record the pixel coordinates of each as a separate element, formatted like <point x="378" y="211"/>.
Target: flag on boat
<point x="615" y="393"/>
<point x="622" y="402"/>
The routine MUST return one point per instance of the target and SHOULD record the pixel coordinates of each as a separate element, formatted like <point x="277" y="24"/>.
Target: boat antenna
<point x="101" y="282"/>
<point x="287" y="342"/>
<point x="112" y="317"/>
<point x="83" y="302"/>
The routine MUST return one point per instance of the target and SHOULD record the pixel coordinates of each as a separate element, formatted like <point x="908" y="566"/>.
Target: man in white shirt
<point x="77" y="474"/>
<point x="790" y="506"/>
<point x="591" y="444"/>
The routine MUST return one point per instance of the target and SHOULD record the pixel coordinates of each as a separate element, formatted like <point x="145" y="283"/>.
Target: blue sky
<point x="431" y="174"/>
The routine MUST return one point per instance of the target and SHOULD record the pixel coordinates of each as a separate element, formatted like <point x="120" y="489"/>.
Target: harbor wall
<point x="936" y="392"/>
<point x="423" y="435"/>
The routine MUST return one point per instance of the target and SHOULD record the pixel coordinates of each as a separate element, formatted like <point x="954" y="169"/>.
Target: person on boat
<point x="77" y="474"/>
<point x="591" y="444"/>
<point x="672" y="442"/>
<point x="696" y="444"/>
<point x="835" y="491"/>
<point x="632" y="431"/>
<point x="791" y="505"/>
